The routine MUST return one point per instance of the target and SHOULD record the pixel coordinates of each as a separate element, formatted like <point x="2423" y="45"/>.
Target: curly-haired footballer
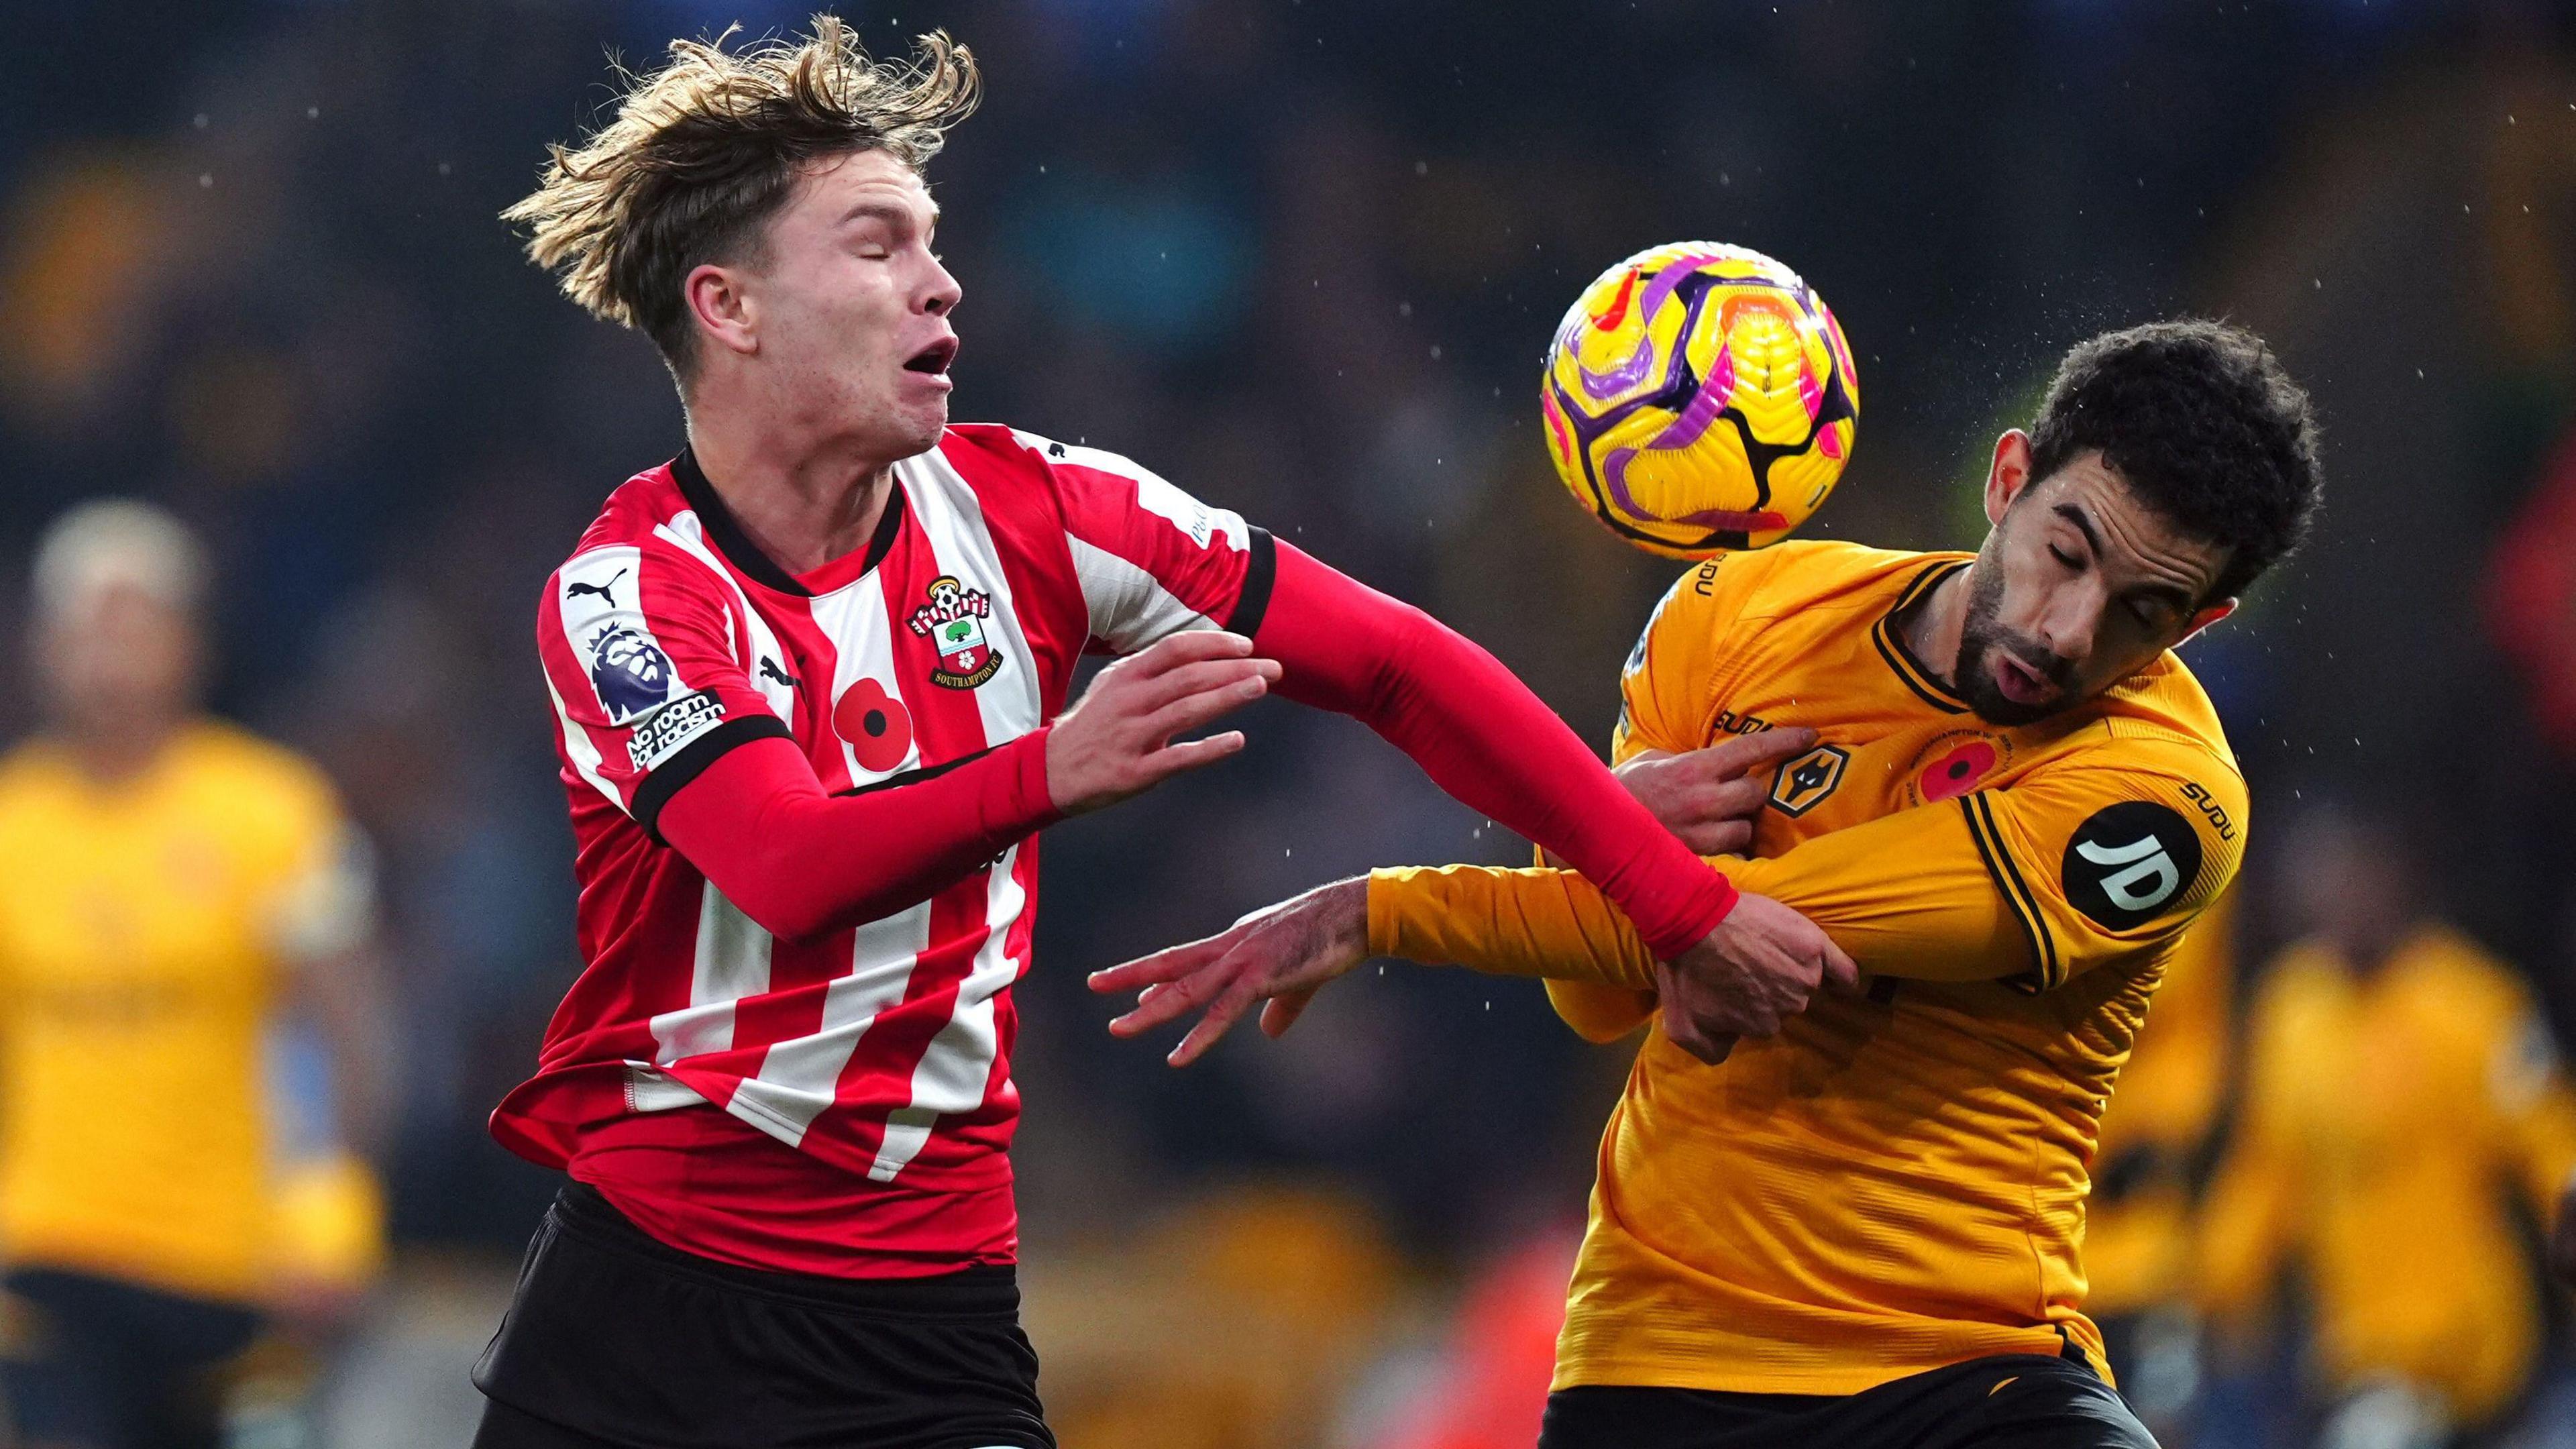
<point x="2007" y="799"/>
<point x="810" y="681"/>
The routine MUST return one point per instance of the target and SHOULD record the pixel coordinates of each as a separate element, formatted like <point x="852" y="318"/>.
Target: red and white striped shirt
<point x="841" y="1103"/>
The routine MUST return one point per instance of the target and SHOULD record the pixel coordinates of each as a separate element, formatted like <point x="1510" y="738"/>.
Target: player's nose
<point x="2072" y="620"/>
<point x="941" y="292"/>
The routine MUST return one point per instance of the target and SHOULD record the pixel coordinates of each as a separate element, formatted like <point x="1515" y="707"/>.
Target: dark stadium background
<point x="1302" y="258"/>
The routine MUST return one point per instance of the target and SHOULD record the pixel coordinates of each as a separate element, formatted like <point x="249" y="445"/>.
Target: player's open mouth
<point x="2020" y="683"/>
<point x="934" y="359"/>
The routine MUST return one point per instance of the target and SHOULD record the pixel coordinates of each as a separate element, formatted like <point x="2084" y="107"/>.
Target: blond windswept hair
<point x="701" y="153"/>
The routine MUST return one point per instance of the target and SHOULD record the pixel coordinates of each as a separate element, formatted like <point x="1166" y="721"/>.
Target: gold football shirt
<point x="143" y="927"/>
<point x="1897" y="1181"/>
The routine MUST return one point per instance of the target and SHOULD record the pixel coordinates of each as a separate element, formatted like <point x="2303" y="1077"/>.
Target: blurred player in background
<point x="2008" y="800"/>
<point x="172" y="890"/>
<point x="2149" y="1166"/>
<point x="810" y="682"/>
<point x="2401" y="1093"/>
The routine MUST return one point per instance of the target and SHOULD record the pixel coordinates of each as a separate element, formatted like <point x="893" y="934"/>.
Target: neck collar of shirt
<point x="725" y="531"/>
<point x="1889" y="636"/>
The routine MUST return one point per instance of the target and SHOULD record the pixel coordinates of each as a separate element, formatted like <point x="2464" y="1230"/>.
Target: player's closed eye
<point x="2071" y="562"/>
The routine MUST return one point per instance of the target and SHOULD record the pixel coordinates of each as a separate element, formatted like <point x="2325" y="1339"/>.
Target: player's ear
<point x="2008" y="474"/>
<point x="2209" y="614"/>
<point x="722" y="308"/>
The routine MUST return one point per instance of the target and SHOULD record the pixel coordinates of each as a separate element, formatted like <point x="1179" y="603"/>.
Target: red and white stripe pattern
<point x="884" y="1049"/>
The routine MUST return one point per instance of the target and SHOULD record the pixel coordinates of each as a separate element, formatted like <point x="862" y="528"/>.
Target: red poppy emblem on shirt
<point x="1957" y="772"/>
<point x="875" y="723"/>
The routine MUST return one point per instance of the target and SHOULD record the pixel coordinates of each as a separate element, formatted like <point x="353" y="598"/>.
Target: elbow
<point x="783" y="917"/>
<point x="796" y="923"/>
<point x="1600" y="1014"/>
<point x="774" y="904"/>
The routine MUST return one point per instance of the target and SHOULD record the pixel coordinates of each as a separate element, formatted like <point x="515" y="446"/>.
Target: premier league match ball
<point x="1699" y="398"/>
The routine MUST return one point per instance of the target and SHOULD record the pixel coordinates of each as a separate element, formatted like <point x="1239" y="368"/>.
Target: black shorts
<point x="2013" y="1401"/>
<point x="616" y="1340"/>
<point x="102" y="1362"/>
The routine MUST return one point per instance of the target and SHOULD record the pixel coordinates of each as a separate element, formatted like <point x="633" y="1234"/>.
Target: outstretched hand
<point x="1118" y="739"/>
<point x="1281" y="954"/>
<point x="1709" y="796"/>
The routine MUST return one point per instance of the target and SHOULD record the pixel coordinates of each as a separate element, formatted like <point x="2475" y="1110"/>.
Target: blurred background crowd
<point x="1301" y="256"/>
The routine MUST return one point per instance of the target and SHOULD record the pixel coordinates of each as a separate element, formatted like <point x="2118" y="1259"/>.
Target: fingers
<point x="1841" y="972"/>
<point x="1206" y="676"/>
<point x="1186" y="647"/>
<point x="1190" y="755"/>
<point x="1711" y="1047"/>
<point x="1737" y="799"/>
<point x="1190" y="711"/>
<point x="1282" y="1011"/>
<point x="1220" y="1019"/>
<point x="1719" y="837"/>
<point x="1767" y="747"/>
<point x="1167" y="1005"/>
<point x="1683" y="1031"/>
<point x="1175" y="998"/>
<point x="1169" y="964"/>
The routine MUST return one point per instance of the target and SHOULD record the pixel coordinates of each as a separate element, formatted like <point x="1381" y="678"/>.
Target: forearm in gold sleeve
<point x="1543" y="923"/>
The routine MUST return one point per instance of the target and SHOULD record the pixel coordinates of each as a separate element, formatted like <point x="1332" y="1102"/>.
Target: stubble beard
<point x="1980" y="637"/>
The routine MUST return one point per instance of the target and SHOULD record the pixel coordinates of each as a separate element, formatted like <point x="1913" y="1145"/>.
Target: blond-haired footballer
<point x="812" y="686"/>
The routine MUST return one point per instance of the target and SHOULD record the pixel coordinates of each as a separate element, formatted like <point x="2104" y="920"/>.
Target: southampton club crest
<point x="953" y="620"/>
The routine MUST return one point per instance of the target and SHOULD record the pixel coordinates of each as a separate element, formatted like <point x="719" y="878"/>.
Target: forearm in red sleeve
<point x="801" y="862"/>
<point x="1480" y="734"/>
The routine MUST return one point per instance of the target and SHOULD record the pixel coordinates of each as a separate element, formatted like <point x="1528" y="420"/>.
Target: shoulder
<point x="2303" y="990"/>
<point x="1796" y="576"/>
<point x="999" y="444"/>
<point x="234" y="756"/>
<point x="992" y="457"/>
<point x="2132" y="828"/>
<point x="2450" y="970"/>
<point x="256" y="782"/>
<point x="634" y="512"/>
<point x="2156" y="722"/>
<point x="32" y="772"/>
<point x="2160" y="724"/>
<point x="1786" y="579"/>
<point x="647" y="522"/>
<point x="2164" y="701"/>
<point x="1083" y="480"/>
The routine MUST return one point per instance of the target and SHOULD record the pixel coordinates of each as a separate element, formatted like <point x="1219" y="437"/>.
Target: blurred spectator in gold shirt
<point x="2400" y="1092"/>
<point x="173" y="892"/>
<point x="2139" y="1226"/>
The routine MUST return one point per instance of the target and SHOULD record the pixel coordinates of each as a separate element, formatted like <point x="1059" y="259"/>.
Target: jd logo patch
<point x="953" y="621"/>
<point x="1804" y="782"/>
<point x="2128" y="862"/>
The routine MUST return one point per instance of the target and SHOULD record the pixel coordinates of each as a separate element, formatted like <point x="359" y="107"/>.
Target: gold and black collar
<point x="1890" y="640"/>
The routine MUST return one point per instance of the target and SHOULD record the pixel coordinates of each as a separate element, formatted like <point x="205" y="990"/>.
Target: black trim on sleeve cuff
<point x="2048" y="968"/>
<point x="692" y="761"/>
<point x="1260" y="572"/>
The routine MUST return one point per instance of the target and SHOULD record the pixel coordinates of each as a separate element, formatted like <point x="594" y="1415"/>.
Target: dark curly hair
<point x="2200" y="419"/>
